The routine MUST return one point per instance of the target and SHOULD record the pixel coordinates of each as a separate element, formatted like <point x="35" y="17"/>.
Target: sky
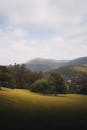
<point x="55" y="29"/>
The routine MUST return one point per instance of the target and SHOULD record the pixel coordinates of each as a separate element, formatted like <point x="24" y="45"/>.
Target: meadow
<point x="22" y="108"/>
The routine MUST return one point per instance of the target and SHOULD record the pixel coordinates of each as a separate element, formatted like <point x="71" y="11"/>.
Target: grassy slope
<point x="69" y="69"/>
<point x="81" y="68"/>
<point x="37" y="110"/>
<point x="76" y="68"/>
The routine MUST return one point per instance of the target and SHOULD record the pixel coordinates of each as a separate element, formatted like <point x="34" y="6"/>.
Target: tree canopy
<point x="53" y="84"/>
<point x="18" y="76"/>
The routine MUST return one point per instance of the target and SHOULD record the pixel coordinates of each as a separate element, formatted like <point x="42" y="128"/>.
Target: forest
<point x="18" y="76"/>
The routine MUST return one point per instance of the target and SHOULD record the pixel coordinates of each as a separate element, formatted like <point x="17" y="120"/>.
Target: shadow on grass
<point x="14" y="120"/>
<point x="41" y="123"/>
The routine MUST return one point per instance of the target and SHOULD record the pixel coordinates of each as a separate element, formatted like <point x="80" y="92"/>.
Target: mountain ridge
<point x="41" y="64"/>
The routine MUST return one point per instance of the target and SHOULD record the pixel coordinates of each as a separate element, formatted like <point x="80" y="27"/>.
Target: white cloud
<point x="65" y="17"/>
<point x="39" y="12"/>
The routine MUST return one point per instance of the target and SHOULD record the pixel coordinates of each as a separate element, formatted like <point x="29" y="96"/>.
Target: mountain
<point x="40" y="64"/>
<point x="71" y="70"/>
<point x="78" y="61"/>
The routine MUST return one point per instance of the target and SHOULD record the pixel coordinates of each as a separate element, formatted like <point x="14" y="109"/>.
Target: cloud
<point x="42" y="28"/>
<point x="48" y="12"/>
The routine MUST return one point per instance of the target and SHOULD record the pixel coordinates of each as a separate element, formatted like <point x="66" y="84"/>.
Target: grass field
<point x="27" y="109"/>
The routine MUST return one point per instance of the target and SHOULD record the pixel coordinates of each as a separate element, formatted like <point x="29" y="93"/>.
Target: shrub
<point x="55" y="79"/>
<point x="54" y="84"/>
<point x="42" y="86"/>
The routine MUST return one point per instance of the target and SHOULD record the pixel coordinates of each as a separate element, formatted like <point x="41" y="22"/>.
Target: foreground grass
<point x="30" y="109"/>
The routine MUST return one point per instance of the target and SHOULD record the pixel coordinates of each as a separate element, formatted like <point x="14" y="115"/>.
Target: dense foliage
<point x="42" y="86"/>
<point x="53" y="84"/>
<point x="18" y="76"/>
<point x="56" y="80"/>
<point x="69" y="81"/>
<point x="75" y="78"/>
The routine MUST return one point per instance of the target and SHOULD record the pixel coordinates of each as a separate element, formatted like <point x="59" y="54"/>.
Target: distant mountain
<point x="40" y="64"/>
<point x="78" y="61"/>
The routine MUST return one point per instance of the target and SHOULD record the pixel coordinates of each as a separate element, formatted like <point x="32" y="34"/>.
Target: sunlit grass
<point x="32" y="110"/>
<point x="26" y="100"/>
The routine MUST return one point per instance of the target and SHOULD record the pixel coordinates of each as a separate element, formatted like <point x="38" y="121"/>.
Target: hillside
<point x="75" y="78"/>
<point x="80" y="68"/>
<point x="70" y="71"/>
<point x="24" y="109"/>
<point x="79" y="61"/>
<point x="40" y="64"/>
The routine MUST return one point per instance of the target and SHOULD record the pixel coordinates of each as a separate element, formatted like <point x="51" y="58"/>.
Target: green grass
<point x="38" y="110"/>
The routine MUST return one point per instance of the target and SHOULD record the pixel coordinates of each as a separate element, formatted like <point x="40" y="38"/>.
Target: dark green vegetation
<point x="18" y="76"/>
<point x="57" y="104"/>
<point x="69" y="79"/>
<point x="22" y="109"/>
<point x="75" y="78"/>
<point x="53" y="84"/>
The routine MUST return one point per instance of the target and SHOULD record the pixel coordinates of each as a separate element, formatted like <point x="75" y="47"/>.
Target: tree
<point x="56" y="80"/>
<point x="18" y="76"/>
<point x="53" y="84"/>
<point x="42" y="86"/>
<point x="83" y="84"/>
<point x="6" y="78"/>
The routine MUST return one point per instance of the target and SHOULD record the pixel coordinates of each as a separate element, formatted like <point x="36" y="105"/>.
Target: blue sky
<point x="55" y="29"/>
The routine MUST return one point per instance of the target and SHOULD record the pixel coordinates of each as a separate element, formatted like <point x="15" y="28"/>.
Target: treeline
<point x="76" y="80"/>
<point x="18" y="76"/>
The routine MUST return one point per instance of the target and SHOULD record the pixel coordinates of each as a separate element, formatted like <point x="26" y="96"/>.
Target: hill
<point x="73" y="71"/>
<point x="40" y="64"/>
<point x="79" y="61"/>
<point x="24" y="109"/>
<point x="75" y="78"/>
<point x="70" y="71"/>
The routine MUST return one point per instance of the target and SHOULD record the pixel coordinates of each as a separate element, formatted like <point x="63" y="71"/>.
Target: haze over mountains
<point x="40" y="64"/>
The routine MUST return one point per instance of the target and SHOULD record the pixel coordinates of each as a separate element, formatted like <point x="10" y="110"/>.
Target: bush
<point x="83" y="90"/>
<point x="55" y="79"/>
<point x="42" y="86"/>
<point x="54" y="84"/>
